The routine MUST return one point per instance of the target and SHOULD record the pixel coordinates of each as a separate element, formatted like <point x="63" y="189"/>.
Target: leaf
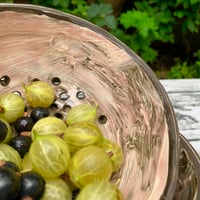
<point x="140" y="20"/>
<point x="62" y="3"/>
<point x="100" y="10"/>
<point x="191" y="26"/>
<point x="178" y="2"/>
<point x="179" y="13"/>
<point x="197" y="54"/>
<point x="141" y="5"/>
<point x="100" y="22"/>
<point x="105" y="9"/>
<point x="164" y="17"/>
<point x="194" y="1"/>
<point x="149" y="54"/>
<point x="185" y="4"/>
<point x="80" y="9"/>
<point x="111" y="22"/>
<point x="126" y="19"/>
<point x="78" y="2"/>
<point x="164" y="5"/>
<point x="184" y="27"/>
<point x="93" y="11"/>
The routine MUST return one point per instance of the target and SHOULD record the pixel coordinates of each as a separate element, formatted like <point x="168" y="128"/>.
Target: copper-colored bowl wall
<point x="38" y="42"/>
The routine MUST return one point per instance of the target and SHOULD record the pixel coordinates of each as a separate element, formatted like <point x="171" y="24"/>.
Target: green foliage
<point x="181" y="70"/>
<point x="185" y="70"/>
<point x="145" y="24"/>
<point x="6" y="1"/>
<point x="101" y="15"/>
<point x="155" y="20"/>
<point x="149" y="24"/>
<point x="148" y="27"/>
<point x="189" y="13"/>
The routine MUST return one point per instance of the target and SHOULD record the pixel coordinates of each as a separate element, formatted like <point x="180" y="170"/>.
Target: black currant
<point x="24" y="123"/>
<point x="32" y="185"/>
<point x="39" y="113"/>
<point x="9" y="165"/>
<point x="3" y="131"/>
<point x="21" y="144"/>
<point x="6" y="132"/>
<point x="9" y="184"/>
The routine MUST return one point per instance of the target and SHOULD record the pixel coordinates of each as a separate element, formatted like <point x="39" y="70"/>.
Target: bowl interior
<point x="74" y="55"/>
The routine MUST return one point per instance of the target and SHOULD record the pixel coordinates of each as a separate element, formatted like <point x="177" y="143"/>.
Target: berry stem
<point x="1" y="109"/>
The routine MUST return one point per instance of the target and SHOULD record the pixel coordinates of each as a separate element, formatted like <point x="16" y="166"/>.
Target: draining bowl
<point x="75" y="55"/>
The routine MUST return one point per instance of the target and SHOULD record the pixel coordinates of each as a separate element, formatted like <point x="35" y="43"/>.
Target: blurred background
<point x="165" y="33"/>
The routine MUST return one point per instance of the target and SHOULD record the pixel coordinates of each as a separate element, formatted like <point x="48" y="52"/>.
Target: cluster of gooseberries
<point x="46" y="157"/>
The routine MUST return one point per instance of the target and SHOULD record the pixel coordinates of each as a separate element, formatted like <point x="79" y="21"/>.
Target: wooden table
<point x="185" y="98"/>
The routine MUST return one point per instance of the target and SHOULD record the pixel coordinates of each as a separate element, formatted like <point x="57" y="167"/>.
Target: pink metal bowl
<point x="38" y="42"/>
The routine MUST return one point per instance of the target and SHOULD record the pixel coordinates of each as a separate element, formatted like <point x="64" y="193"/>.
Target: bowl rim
<point x="193" y="160"/>
<point x="174" y="140"/>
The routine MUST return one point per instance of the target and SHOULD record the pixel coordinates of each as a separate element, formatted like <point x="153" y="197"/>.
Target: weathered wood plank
<point x="185" y="97"/>
<point x="196" y="145"/>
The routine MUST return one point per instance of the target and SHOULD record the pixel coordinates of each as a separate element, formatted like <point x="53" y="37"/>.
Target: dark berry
<point x="3" y="131"/>
<point x="9" y="165"/>
<point x="9" y="184"/>
<point x="24" y="123"/>
<point x="39" y="113"/>
<point x="21" y="144"/>
<point x="32" y="185"/>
